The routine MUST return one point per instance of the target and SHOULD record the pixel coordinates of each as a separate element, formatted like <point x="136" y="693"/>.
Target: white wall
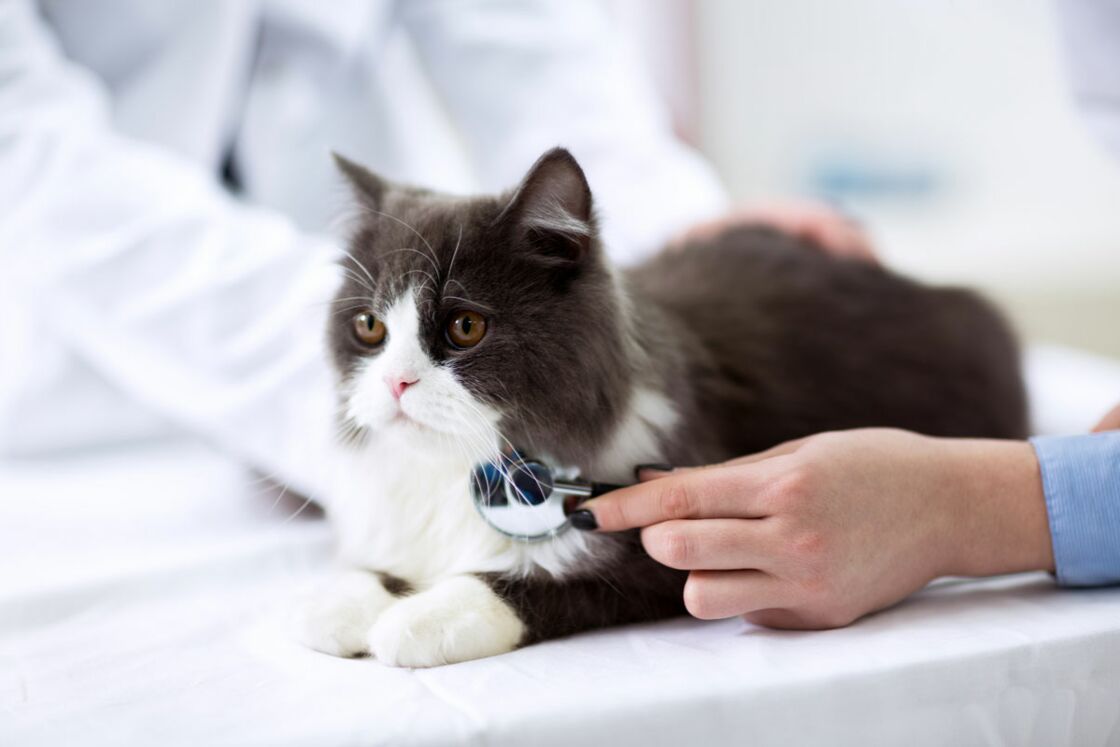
<point x="944" y="126"/>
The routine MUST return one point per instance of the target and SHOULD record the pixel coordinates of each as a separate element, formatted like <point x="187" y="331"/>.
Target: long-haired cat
<point x="466" y="325"/>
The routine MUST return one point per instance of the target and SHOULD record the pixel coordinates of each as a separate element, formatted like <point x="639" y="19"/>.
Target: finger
<point x="782" y="619"/>
<point x="711" y="595"/>
<point x="651" y="472"/>
<point x="794" y="619"/>
<point x="711" y="493"/>
<point x="1110" y="422"/>
<point x="782" y="449"/>
<point x="645" y="474"/>
<point x="711" y="544"/>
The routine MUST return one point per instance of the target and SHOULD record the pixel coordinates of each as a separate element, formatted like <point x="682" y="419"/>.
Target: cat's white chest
<point x="409" y="513"/>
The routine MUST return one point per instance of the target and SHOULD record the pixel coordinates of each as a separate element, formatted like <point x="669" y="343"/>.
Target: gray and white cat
<point x="470" y="324"/>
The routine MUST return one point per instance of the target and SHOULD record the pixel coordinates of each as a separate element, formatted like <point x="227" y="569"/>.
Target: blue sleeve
<point x="1081" y="480"/>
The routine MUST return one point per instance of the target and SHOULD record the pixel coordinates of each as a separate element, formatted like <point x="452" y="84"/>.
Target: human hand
<point x="818" y="532"/>
<point x="1110" y="422"/>
<point x="832" y="231"/>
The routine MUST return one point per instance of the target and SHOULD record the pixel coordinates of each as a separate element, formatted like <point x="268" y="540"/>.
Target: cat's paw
<point x="456" y="620"/>
<point x="337" y="619"/>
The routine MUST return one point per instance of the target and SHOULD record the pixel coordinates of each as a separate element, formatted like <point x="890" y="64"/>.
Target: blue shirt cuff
<point x="1081" y="480"/>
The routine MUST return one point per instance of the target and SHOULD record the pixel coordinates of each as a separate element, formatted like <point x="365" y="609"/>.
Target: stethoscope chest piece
<point x="522" y="498"/>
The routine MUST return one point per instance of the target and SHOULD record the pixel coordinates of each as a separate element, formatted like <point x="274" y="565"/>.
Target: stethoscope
<point x="524" y="499"/>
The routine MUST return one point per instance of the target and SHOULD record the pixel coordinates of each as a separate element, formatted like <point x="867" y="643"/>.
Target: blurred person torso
<point x="263" y="90"/>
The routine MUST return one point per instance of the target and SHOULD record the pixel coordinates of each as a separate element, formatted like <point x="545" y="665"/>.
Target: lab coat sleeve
<point x="1091" y="33"/>
<point x="135" y="263"/>
<point x="521" y="77"/>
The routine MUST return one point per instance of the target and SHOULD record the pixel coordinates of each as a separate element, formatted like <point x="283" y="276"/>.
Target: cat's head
<point x="476" y="323"/>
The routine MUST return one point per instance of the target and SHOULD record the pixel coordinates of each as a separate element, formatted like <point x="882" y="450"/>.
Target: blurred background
<point x="946" y="128"/>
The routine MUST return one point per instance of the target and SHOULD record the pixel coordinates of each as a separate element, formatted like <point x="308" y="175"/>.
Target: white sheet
<point x="143" y="598"/>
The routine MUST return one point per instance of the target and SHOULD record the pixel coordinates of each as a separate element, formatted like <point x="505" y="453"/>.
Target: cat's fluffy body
<point x="694" y="357"/>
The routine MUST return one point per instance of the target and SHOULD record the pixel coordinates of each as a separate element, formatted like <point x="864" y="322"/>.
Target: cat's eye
<point x="466" y="329"/>
<point x="369" y="329"/>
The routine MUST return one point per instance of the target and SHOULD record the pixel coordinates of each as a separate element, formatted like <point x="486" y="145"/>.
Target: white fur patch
<point x="456" y="620"/>
<point x="636" y="440"/>
<point x="336" y="620"/>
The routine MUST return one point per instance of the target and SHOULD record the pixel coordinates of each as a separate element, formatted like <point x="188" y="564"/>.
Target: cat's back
<point x="794" y="341"/>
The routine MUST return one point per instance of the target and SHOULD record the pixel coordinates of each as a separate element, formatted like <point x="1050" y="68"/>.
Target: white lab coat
<point x="140" y="298"/>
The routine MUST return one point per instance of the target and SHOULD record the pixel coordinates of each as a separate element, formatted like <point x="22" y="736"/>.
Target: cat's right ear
<point x="368" y="187"/>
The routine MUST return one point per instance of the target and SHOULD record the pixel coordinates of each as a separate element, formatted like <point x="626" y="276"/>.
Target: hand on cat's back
<point x="829" y="230"/>
<point x="819" y="532"/>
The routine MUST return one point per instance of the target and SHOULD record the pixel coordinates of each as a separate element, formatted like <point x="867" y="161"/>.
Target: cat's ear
<point x="550" y="211"/>
<point x="368" y="187"/>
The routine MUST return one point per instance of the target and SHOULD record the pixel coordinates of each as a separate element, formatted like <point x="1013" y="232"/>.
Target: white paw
<point x="336" y="620"/>
<point x="456" y="620"/>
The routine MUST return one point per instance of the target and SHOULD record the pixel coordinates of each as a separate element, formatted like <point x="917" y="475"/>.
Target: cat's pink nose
<point x="397" y="384"/>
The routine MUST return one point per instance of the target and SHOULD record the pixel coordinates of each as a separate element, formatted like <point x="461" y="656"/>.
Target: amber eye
<point x="466" y="329"/>
<point x="369" y="329"/>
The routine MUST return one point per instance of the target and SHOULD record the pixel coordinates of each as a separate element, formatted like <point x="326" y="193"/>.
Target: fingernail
<point x="651" y="468"/>
<point x="583" y="520"/>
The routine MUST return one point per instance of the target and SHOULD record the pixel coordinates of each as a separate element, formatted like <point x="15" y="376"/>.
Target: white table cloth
<point x="144" y="593"/>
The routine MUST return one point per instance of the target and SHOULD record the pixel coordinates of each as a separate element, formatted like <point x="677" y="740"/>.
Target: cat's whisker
<point x="521" y="412"/>
<point x="359" y="265"/>
<point x="451" y="264"/>
<point x="433" y="259"/>
<point x="483" y="419"/>
<point x="490" y="452"/>
<point x="415" y="251"/>
<point x="453" y="280"/>
<point x="306" y="502"/>
<point x="348" y="309"/>
<point x="266" y="483"/>
<point x="364" y="299"/>
<point x="425" y="273"/>
<point x="499" y="434"/>
<point x="482" y="306"/>
<point x="279" y="498"/>
<point x="358" y="280"/>
<point x="348" y="431"/>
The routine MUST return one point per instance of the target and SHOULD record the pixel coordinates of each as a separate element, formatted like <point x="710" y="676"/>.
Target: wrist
<point x="996" y="509"/>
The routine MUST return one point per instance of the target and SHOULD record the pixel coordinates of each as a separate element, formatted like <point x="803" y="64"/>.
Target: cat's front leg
<point x="457" y="619"/>
<point x="337" y="619"/>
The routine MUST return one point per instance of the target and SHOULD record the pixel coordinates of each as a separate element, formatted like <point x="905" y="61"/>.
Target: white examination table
<point x="142" y="599"/>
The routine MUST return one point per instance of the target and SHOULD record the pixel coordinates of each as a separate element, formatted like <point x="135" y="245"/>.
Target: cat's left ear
<point x="368" y="187"/>
<point x="550" y="211"/>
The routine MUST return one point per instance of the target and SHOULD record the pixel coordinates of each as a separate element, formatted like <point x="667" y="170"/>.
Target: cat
<point x="469" y="325"/>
